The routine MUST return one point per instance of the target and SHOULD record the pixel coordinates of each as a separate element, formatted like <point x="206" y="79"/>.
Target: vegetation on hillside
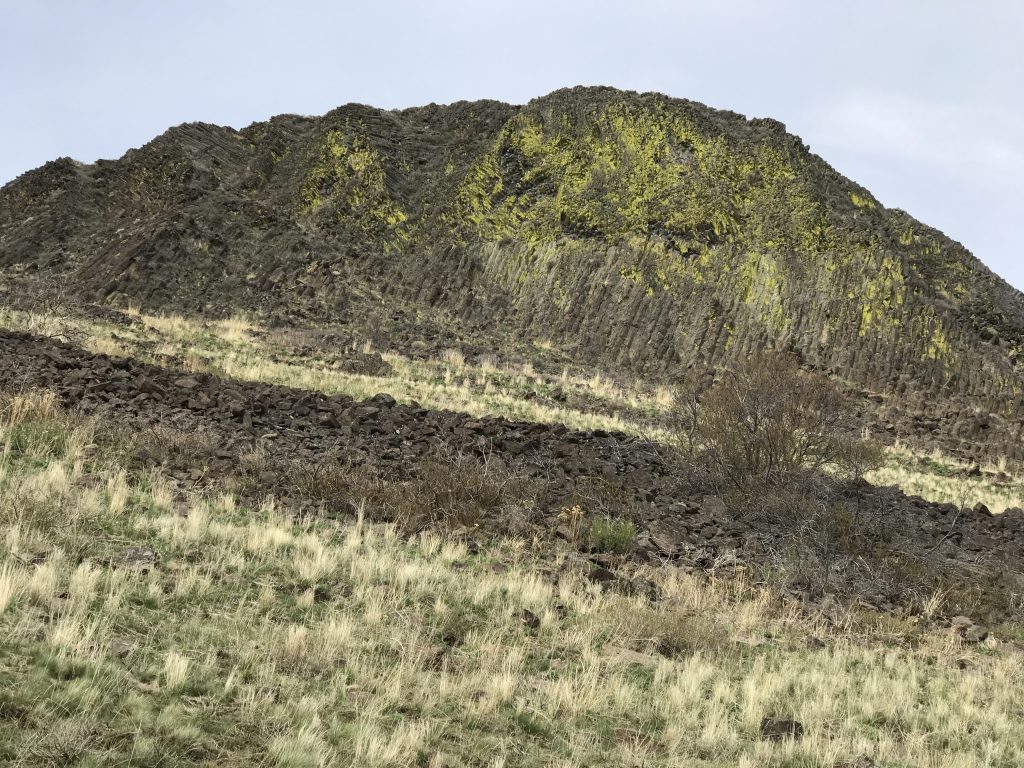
<point x="144" y="625"/>
<point x="487" y="386"/>
<point x="199" y="572"/>
<point x="765" y="424"/>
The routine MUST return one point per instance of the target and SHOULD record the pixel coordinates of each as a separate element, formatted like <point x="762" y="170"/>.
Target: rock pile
<point x="673" y="525"/>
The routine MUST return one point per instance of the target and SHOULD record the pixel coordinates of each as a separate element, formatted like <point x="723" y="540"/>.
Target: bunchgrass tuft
<point x="248" y="638"/>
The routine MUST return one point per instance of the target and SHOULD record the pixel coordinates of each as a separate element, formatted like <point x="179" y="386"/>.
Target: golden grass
<point x="261" y="640"/>
<point x="943" y="479"/>
<point x="237" y="347"/>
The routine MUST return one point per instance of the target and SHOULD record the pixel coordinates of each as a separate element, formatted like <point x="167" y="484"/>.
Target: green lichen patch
<point x="348" y="183"/>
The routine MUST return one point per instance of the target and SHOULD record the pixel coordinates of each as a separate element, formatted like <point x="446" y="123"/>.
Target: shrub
<point x="447" y="489"/>
<point x="169" y="446"/>
<point x="766" y="423"/>
<point x="609" y="534"/>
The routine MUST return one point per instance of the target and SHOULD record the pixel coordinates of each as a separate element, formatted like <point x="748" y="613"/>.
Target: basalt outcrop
<point x="635" y="232"/>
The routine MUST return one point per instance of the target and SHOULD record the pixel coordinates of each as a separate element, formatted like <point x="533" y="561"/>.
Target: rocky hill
<point x="633" y="231"/>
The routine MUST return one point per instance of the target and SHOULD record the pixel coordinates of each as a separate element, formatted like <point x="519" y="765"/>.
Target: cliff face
<point x="631" y="230"/>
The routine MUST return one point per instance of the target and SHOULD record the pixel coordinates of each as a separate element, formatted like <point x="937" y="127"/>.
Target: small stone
<point x="714" y="507"/>
<point x="186" y="382"/>
<point x="642" y="588"/>
<point x="601" y="575"/>
<point x="630" y="657"/>
<point x="141" y="558"/>
<point x="967" y="630"/>
<point x="119" y="648"/>
<point x="975" y="634"/>
<point x="664" y="546"/>
<point x="779" y="729"/>
<point x="530" y="619"/>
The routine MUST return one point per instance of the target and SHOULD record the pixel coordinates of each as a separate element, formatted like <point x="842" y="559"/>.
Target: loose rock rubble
<point x="675" y="526"/>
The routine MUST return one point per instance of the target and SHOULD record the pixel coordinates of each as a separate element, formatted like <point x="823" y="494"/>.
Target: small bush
<point x="765" y="423"/>
<point x="608" y="534"/>
<point x="337" y="485"/>
<point x="173" y="447"/>
<point x="452" y="489"/>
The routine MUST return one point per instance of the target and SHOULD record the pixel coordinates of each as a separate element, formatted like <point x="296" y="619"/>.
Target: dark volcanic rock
<point x="231" y="419"/>
<point x="488" y="225"/>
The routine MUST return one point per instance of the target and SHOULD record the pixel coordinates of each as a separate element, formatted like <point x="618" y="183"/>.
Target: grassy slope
<point x="487" y="387"/>
<point x="257" y="639"/>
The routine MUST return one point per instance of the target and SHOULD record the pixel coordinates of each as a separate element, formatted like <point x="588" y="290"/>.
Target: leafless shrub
<point x="57" y="306"/>
<point x="781" y="445"/>
<point x="336" y="484"/>
<point x="765" y="423"/>
<point x="453" y="490"/>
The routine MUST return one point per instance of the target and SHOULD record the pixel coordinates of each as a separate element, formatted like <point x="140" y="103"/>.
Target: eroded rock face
<point x="638" y="232"/>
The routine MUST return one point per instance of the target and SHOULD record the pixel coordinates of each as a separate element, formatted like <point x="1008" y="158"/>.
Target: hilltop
<point x="635" y="233"/>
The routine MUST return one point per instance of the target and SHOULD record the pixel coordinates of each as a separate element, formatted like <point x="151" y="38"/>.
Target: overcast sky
<point x="918" y="100"/>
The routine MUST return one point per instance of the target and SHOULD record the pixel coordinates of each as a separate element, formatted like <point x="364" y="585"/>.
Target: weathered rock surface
<point x="638" y="232"/>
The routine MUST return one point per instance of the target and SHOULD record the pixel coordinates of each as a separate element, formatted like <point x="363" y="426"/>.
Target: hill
<point x="356" y="440"/>
<point x="634" y="231"/>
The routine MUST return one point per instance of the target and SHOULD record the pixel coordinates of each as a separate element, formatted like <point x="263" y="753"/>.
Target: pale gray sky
<point x="918" y="100"/>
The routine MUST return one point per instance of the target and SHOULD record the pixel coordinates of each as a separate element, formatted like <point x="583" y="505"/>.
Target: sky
<point x="917" y="100"/>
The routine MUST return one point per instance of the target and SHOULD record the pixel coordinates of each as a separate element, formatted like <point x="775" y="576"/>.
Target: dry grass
<point x="254" y="639"/>
<point x="487" y="387"/>
<point x="447" y="491"/>
<point x="942" y="479"/>
<point x="238" y="347"/>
